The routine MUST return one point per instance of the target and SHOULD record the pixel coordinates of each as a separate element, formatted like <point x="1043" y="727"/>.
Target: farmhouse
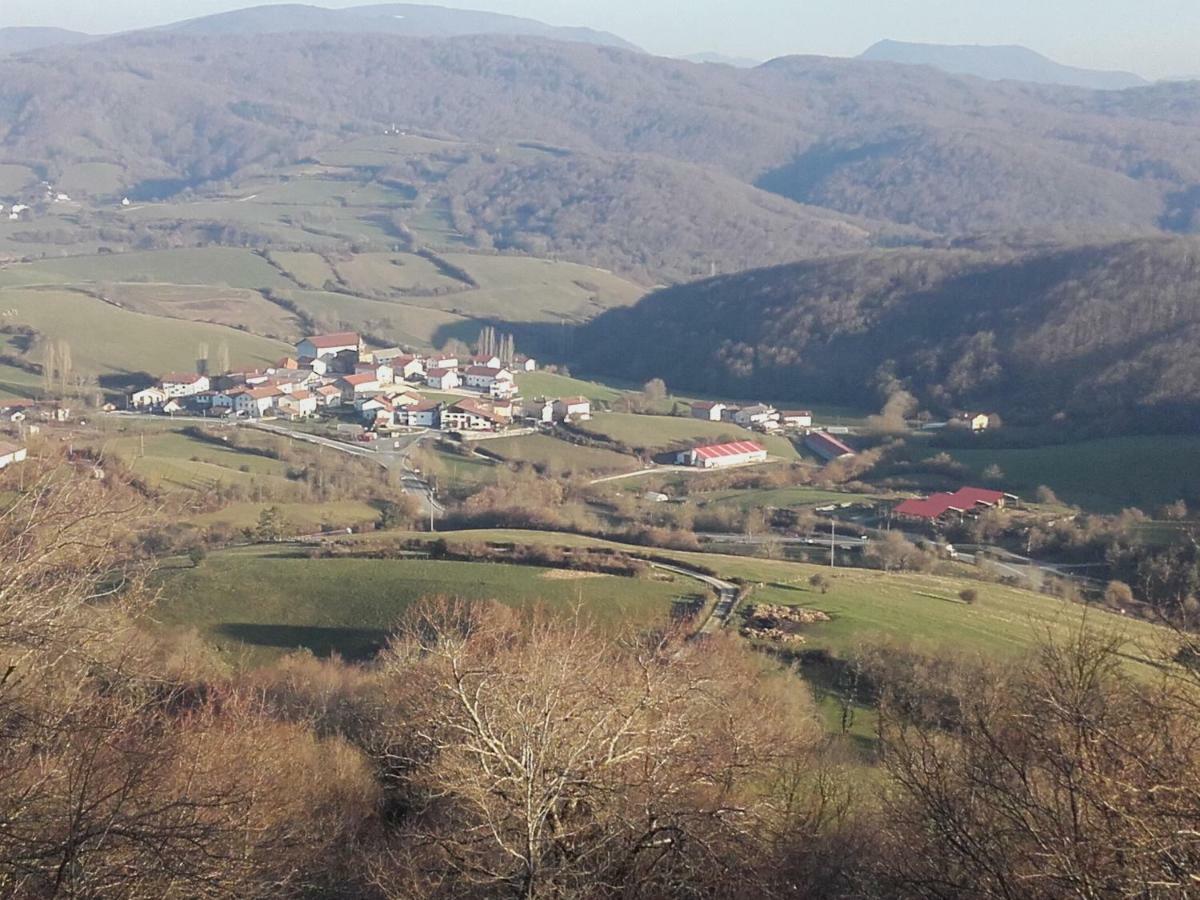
<point x="328" y="395"/>
<point x="441" y="362"/>
<point x="184" y="385"/>
<point x="523" y="363"/>
<point x="539" y="410"/>
<point x="254" y="402"/>
<point x="796" y="418"/>
<point x="483" y="377"/>
<point x="976" y="421"/>
<point x="441" y="379"/>
<point x="356" y="385"/>
<point x="568" y="408"/>
<point x="757" y="415"/>
<point x="426" y="414"/>
<point x="383" y="373"/>
<point x="709" y="411"/>
<point x="720" y="456"/>
<point x="488" y="362"/>
<point x="323" y="345"/>
<point x="826" y="446"/>
<point x="147" y="399"/>
<point x="470" y="415"/>
<point x="298" y="404"/>
<point x="963" y="501"/>
<point x="11" y="453"/>
<point x="405" y="366"/>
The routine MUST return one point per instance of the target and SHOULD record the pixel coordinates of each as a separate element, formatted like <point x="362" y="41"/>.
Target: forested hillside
<point x="885" y="141"/>
<point x="1104" y="334"/>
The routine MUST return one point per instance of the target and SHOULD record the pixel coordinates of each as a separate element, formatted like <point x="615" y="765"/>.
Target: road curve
<point x="727" y="594"/>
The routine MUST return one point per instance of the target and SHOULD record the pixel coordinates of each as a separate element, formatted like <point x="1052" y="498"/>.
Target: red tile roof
<point x="340" y="339"/>
<point x="356" y="380"/>
<point x="962" y="500"/>
<point x="737" y="448"/>
<point x="181" y="378"/>
<point x="706" y="404"/>
<point x="438" y="373"/>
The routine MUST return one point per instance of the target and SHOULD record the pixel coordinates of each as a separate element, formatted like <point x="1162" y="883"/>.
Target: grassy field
<point x="300" y="517"/>
<point x="1102" y="475"/>
<point x="171" y="460"/>
<point x="657" y="433"/>
<point x="257" y="602"/>
<point x="218" y="266"/>
<point x="401" y="322"/>
<point x="13" y="178"/>
<point x="106" y="340"/>
<point x="923" y="610"/>
<point x="233" y="307"/>
<point x="559" y="456"/>
<point x="397" y="274"/>
<point x="311" y="270"/>
<point x="92" y="179"/>
<point x="549" y="384"/>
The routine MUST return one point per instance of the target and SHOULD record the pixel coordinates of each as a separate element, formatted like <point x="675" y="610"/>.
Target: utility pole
<point x="832" y="542"/>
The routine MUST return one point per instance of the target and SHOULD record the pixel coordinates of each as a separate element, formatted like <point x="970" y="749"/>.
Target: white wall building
<point x="720" y="456"/>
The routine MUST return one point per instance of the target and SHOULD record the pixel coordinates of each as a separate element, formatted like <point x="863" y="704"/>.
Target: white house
<point x="320" y="345"/>
<point x="483" y="377"/>
<point x="426" y="414"/>
<point x="298" y="404"/>
<point x="502" y="390"/>
<point x="441" y="362"/>
<point x="255" y="402"/>
<point x="538" y="410"/>
<point x="758" y="414"/>
<point x="328" y="395"/>
<point x="406" y="367"/>
<point x="382" y="371"/>
<point x="796" y="418"/>
<point x="572" y="408"/>
<point x="316" y="365"/>
<point x="524" y="363"/>
<point x="147" y="399"/>
<point x="11" y="453"/>
<point x="490" y="362"/>
<point x="183" y="384"/>
<point x="441" y="379"/>
<point x="356" y="385"/>
<point x="709" y="411"/>
<point x="470" y="415"/>
<point x="720" y="456"/>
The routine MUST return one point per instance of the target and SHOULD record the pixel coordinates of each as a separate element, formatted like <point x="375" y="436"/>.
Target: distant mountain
<point x="1103" y="334"/>
<point x="878" y="142"/>
<point x="23" y="40"/>
<point x="738" y="62"/>
<point x="1000" y="63"/>
<point x="413" y="20"/>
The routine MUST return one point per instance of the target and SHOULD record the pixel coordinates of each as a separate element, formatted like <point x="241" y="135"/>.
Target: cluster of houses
<point x="964" y="501"/>
<point x="380" y="389"/>
<point x="757" y="416"/>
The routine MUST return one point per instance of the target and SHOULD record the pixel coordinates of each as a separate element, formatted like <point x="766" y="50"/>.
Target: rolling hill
<point x="1100" y="335"/>
<point x="882" y="141"/>
<point x="410" y="19"/>
<point x="28" y="38"/>
<point x="1000" y="63"/>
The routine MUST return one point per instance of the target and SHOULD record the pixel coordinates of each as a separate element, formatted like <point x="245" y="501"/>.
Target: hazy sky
<point x="1156" y="38"/>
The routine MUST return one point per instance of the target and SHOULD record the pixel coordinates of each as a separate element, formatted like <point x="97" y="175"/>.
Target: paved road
<point x="391" y="454"/>
<point x="726" y="596"/>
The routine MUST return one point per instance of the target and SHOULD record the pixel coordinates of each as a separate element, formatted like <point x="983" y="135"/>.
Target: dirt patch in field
<point x="571" y="574"/>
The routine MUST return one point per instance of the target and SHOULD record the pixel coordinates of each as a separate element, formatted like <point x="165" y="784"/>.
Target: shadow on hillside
<point x="552" y="340"/>
<point x="353" y="644"/>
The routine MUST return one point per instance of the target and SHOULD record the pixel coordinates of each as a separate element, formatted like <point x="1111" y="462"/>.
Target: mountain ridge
<point x="999" y="62"/>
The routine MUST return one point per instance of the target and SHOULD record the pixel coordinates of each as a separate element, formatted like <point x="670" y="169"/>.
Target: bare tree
<point x="1064" y="778"/>
<point x="545" y="759"/>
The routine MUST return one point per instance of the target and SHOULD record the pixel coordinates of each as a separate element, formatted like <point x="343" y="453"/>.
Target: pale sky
<point x="1155" y="38"/>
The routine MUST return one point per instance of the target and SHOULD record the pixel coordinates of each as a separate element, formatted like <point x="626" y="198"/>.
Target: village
<point x="368" y="395"/>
